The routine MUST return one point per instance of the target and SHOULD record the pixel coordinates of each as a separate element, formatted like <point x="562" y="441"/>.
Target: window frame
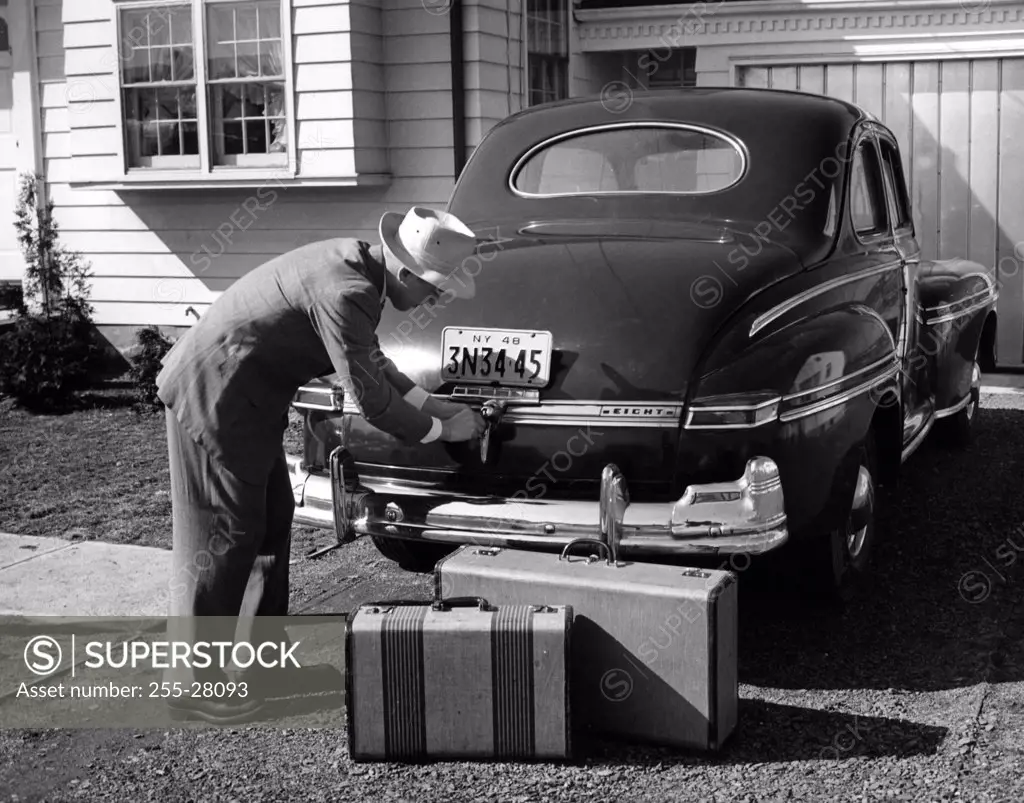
<point x="206" y="171"/>
<point x="867" y="137"/>
<point x="896" y="185"/>
<point x="529" y="55"/>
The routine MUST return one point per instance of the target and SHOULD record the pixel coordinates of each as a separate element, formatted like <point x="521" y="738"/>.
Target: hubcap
<point x="972" y="405"/>
<point x="861" y="512"/>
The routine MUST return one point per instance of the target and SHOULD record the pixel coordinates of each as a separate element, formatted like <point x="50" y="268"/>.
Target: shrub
<point x="50" y="351"/>
<point x="150" y="347"/>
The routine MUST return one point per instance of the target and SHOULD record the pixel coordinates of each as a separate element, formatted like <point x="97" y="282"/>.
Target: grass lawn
<point x="99" y="472"/>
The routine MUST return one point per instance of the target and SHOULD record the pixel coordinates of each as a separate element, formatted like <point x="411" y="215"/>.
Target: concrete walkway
<point x="55" y="577"/>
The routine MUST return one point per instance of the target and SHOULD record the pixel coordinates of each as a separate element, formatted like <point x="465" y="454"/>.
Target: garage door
<point x="960" y="124"/>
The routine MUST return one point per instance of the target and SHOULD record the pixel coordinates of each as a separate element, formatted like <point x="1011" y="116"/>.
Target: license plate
<point x="496" y="356"/>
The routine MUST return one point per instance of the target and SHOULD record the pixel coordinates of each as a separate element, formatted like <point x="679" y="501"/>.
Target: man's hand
<point x="439" y="408"/>
<point x="465" y="425"/>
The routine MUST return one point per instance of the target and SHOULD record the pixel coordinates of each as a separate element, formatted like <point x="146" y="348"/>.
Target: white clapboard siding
<point x="370" y="105"/>
<point x="494" y="80"/>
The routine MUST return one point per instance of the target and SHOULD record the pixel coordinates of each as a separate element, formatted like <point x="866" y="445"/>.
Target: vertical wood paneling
<point x="925" y="196"/>
<point x="839" y="81"/>
<point x="812" y="78"/>
<point x="984" y="162"/>
<point x="755" y="77"/>
<point x="869" y="88"/>
<point x="783" y="78"/>
<point x="896" y="114"/>
<point x="954" y="159"/>
<point x="1010" y="344"/>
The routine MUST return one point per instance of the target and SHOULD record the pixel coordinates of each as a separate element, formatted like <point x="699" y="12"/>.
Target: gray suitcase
<point x="458" y="679"/>
<point x="654" y="647"/>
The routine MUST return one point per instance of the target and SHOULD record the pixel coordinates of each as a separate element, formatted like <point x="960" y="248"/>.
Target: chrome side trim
<point x="981" y="293"/>
<point x="707" y="131"/>
<point x="918" y="439"/>
<point x="528" y="409"/>
<point x="800" y="298"/>
<point x="863" y="309"/>
<point x="841" y="380"/>
<point x="952" y="316"/>
<point x="622" y="414"/>
<point x="840" y="398"/>
<point x="956" y="408"/>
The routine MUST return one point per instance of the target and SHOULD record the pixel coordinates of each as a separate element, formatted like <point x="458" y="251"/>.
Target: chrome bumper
<point x="743" y="516"/>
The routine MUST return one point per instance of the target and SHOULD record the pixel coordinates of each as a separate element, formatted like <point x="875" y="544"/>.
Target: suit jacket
<point x="231" y="378"/>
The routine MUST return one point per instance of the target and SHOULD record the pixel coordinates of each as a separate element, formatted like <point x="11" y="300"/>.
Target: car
<point x="703" y="328"/>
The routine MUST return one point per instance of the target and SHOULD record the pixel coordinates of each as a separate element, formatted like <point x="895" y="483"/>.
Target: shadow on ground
<point x="943" y="580"/>
<point x="769" y="732"/>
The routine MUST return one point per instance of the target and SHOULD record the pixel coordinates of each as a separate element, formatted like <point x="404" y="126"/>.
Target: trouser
<point x="232" y="543"/>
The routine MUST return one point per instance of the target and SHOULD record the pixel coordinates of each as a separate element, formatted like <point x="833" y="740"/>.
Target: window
<point x="676" y="70"/>
<point x="547" y="50"/>
<point x="867" y="196"/>
<point x="636" y="158"/>
<point x="897" y="185"/>
<point x="188" y="110"/>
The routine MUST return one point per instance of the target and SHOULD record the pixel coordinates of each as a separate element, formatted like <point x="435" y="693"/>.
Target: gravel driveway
<point x="917" y="694"/>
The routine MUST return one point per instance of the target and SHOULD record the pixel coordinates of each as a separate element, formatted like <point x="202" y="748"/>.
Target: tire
<point x="957" y="430"/>
<point x="413" y="556"/>
<point x="834" y="567"/>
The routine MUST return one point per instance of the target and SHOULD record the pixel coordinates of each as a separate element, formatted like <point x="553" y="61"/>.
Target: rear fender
<point x="957" y="299"/>
<point x="830" y="373"/>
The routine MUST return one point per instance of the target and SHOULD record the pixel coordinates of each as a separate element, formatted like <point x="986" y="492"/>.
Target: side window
<point x="867" y="193"/>
<point x="897" y="184"/>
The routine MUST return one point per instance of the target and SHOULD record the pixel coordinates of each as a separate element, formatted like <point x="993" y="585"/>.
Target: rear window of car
<point x="631" y="159"/>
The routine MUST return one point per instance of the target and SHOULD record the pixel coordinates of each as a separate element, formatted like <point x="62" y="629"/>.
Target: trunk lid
<point x="631" y="306"/>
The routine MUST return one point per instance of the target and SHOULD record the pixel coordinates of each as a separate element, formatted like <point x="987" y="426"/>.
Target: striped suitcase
<point x="458" y="678"/>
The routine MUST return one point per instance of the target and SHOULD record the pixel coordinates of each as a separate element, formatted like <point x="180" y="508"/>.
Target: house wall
<point x="157" y="254"/>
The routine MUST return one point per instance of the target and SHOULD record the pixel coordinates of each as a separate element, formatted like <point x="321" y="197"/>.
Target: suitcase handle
<point x="462" y="602"/>
<point x="592" y="542"/>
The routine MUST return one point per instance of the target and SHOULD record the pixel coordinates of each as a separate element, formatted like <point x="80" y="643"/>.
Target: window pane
<point x="183" y="67"/>
<point x="248" y="60"/>
<point x="246" y="27"/>
<point x="181" y="26"/>
<point x="867" y="198"/>
<point x="160" y="61"/>
<point x="646" y="159"/>
<point x="135" y="66"/>
<point x="270" y="22"/>
<point x="221" y="61"/>
<point x="270" y="59"/>
<point x="159" y="21"/>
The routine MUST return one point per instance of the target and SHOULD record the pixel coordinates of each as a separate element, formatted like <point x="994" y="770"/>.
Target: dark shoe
<point x="232" y="711"/>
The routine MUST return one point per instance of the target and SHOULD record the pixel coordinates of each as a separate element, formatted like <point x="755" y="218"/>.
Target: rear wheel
<point x="835" y="566"/>
<point x="956" y="431"/>
<point x="413" y="556"/>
